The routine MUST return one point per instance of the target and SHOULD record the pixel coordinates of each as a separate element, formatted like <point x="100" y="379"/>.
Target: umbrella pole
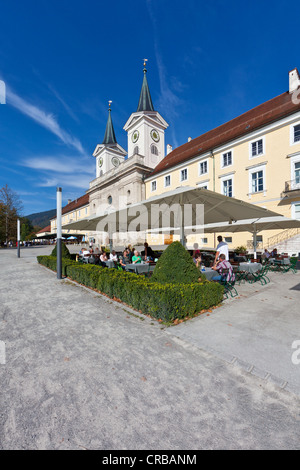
<point x="254" y="242"/>
<point x="182" y="237"/>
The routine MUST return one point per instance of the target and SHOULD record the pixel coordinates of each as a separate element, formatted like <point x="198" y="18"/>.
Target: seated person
<point x="85" y="253"/>
<point x="274" y="253"/>
<point x="103" y="258"/>
<point x="113" y="256"/>
<point x="197" y="260"/>
<point x="220" y="266"/>
<point x="148" y="253"/>
<point x="136" y="259"/>
<point x="124" y="259"/>
<point x="266" y="255"/>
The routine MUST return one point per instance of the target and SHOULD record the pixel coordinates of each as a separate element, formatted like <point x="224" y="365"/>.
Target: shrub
<point x="166" y="301"/>
<point x="240" y="249"/>
<point x="64" y="251"/>
<point x="176" y="265"/>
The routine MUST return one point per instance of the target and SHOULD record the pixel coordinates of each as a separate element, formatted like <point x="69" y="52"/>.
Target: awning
<point x="184" y="206"/>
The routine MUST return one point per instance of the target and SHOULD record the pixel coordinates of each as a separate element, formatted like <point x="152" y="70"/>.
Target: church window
<point x="154" y="150"/>
<point x="109" y="200"/>
<point x="136" y="150"/>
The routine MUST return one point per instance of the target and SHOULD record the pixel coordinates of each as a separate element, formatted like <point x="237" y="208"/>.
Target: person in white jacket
<point x="222" y="248"/>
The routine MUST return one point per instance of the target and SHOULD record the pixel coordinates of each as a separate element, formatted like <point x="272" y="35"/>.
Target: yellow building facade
<point x="255" y="158"/>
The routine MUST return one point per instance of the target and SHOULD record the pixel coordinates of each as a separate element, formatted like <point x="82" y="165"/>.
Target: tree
<point x="26" y="229"/>
<point x="10" y="209"/>
<point x="176" y="265"/>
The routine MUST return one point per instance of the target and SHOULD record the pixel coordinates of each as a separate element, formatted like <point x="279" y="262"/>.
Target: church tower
<point x="146" y="129"/>
<point x="109" y="154"/>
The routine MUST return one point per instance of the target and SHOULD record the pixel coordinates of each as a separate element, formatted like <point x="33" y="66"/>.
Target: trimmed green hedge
<point x="162" y="301"/>
<point x="176" y="266"/>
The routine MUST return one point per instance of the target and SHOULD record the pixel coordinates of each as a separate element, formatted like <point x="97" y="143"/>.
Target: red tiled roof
<point x="266" y="113"/>
<point x="76" y="204"/>
<point x="45" y="229"/>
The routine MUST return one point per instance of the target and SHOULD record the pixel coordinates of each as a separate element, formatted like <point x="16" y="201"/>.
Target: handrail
<point x="282" y="236"/>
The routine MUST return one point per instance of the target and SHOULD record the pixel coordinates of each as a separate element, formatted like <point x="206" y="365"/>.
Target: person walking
<point x="222" y="248"/>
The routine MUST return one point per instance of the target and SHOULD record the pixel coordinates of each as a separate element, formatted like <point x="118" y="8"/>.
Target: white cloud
<point x="62" y="171"/>
<point x="61" y="164"/>
<point x="46" y="120"/>
<point x="69" y="181"/>
<point x="62" y="101"/>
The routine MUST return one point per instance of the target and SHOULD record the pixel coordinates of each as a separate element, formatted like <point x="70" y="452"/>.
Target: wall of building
<point x="276" y="163"/>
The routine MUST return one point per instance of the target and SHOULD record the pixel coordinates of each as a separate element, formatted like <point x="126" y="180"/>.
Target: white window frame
<point x="294" y="160"/>
<point x="229" y="176"/>
<point x="263" y="145"/>
<point x="292" y="133"/>
<point x="256" y="169"/>
<point x="180" y="175"/>
<point x="293" y="209"/>
<point x="167" y="185"/>
<point x="153" y="186"/>
<point x="222" y="159"/>
<point x="223" y="186"/>
<point x="203" y="184"/>
<point x="201" y="163"/>
<point x="226" y="239"/>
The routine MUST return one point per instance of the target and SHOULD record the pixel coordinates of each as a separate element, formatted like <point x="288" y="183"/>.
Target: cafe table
<point x="139" y="268"/>
<point x="210" y="273"/>
<point x="250" y="267"/>
<point x="110" y="263"/>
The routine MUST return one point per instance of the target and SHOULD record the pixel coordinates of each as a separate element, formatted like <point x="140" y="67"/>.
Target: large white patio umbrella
<point x="184" y="206"/>
<point x="254" y="226"/>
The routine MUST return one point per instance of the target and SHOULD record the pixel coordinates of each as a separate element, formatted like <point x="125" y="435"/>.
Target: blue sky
<point x="62" y="61"/>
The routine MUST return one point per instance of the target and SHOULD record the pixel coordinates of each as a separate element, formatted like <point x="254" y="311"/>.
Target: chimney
<point x="189" y="139"/>
<point x="69" y="201"/>
<point x="294" y="80"/>
<point x="169" y="148"/>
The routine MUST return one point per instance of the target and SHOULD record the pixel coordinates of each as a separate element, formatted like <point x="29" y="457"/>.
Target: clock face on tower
<point x="115" y="161"/>
<point x="155" y="135"/>
<point x="100" y="162"/>
<point x="135" y="136"/>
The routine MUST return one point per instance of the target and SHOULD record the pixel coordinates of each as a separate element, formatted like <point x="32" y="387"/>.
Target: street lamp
<point x="58" y="233"/>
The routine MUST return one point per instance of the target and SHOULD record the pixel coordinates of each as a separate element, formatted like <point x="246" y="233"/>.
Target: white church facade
<point x="120" y="175"/>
